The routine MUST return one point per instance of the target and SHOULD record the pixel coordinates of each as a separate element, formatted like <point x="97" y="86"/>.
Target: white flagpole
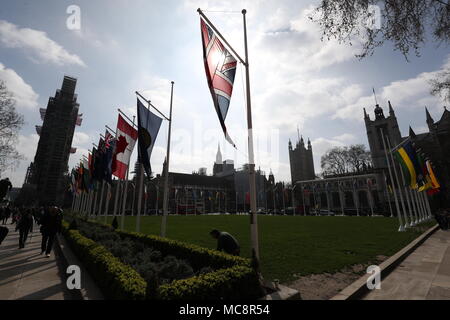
<point x="100" y="206"/>
<point x="116" y="197"/>
<point x="424" y="214"/>
<point x="405" y="187"/>
<point x="419" y="208"/>
<point x="107" y="201"/>
<point x="75" y="207"/>
<point x="413" y="204"/>
<point x="303" y="197"/>
<point x="402" y="228"/>
<point x="427" y="214"/>
<point x="95" y="198"/>
<point x="427" y="202"/>
<point x="251" y="156"/>
<point x="166" y="173"/>
<point x="117" y="187"/>
<point x="91" y="196"/>
<point x="392" y="179"/>
<point x="139" y="206"/>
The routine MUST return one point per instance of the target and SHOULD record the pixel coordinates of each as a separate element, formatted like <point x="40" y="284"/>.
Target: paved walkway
<point x="423" y="275"/>
<point x="27" y="275"/>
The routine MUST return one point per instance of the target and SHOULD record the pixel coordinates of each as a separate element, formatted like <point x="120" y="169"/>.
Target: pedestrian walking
<point x="50" y="226"/>
<point x="25" y="225"/>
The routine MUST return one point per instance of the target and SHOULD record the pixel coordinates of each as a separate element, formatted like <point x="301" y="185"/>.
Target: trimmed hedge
<point x="238" y="282"/>
<point x="233" y="279"/>
<point x="117" y="281"/>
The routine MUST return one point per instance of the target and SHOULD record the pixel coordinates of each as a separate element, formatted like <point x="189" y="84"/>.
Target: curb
<point x="281" y="292"/>
<point x="89" y="290"/>
<point x="358" y="289"/>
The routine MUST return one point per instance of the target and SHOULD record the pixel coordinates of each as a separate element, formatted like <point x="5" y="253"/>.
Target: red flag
<point x="126" y="139"/>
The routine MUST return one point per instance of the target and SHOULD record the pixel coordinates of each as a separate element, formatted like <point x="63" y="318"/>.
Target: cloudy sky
<point x="124" y="46"/>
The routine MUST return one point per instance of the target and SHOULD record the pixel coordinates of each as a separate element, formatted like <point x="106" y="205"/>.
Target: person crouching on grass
<point x="226" y="242"/>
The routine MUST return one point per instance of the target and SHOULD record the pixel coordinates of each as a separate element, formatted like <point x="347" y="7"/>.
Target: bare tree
<point x="341" y="160"/>
<point x="405" y="23"/>
<point x="334" y="161"/>
<point x="10" y="124"/>
<point x="440" y="86"/>
<point x="358" y="157"/>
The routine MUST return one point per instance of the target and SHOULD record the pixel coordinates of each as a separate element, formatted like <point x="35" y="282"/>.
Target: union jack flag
<point x="220" y="67"/>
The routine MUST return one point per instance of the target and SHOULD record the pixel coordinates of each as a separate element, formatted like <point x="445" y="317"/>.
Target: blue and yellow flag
<point x="407" y="158"/>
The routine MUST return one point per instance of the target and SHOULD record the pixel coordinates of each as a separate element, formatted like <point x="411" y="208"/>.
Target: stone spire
<point x="412" y="134"/>
<point x="391" y="110"/>
<point x="309" y="144"/>
<point x="218" y="155"/>
<point x="430" y="121"/>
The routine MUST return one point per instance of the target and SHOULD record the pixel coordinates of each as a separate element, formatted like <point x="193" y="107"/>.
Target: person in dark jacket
<point x="6" y="214"/>
<point x="25" y="225"/>
<point x="5" y="187"/>
<point x="226" y="242"/>
<point x="50" y="225"/>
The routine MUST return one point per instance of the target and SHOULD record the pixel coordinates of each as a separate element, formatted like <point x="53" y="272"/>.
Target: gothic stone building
<point x="366" y="192"/>
<point x="301" y="161"/>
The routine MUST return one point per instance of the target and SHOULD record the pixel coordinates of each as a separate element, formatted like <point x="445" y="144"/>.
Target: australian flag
<point x="220" y="67"/>
<point x="148" y="128"/>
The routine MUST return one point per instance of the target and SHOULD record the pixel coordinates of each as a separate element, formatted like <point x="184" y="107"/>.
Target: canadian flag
<point x="126" y="139"/>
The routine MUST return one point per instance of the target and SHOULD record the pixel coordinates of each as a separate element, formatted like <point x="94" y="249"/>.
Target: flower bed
<point x="170" y="269"/>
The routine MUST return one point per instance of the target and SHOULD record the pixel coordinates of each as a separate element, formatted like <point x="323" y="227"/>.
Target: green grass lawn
<point x="292" y="245"/>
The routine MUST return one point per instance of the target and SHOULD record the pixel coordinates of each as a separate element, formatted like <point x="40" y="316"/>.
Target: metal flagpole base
<point x="401" y="229"/>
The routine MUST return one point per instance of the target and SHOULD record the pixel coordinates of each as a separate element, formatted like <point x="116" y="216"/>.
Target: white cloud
<point x="37" y="44"/>
<point x="23" y="93"/>
<point x="81" y="139"/>
<point x="410" y="94"/>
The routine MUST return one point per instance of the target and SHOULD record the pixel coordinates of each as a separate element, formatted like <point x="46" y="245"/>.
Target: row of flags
<point x="417" y="168"/>
<point x="112" y="155"/>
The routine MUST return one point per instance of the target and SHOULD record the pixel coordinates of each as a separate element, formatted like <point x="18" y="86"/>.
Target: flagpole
<point x="251" y="156"/>
<point x="100" y="206"/>
<point x="166" y="174"/>
<point x="303" y="197"/>
<point x="107" y="202"/>
<point x="427" y="202"/>
<point x="419" y="205"/>
<point x="95" y="198"/>
<point x="124" y="204"/>
<point x="411" y="219"/>
<point x="413" y="204"/>
<point x="397" y="180"/>
<point x="419" y="209"/>
<point x="422" y="199"/>
<point x="392" y="179"/>
<point x="117" y="186"/>
<point x="116" y="197"/>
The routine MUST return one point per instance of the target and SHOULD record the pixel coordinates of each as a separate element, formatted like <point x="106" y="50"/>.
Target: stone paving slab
<point x="27" y="275"/>
<point x="423" y="275"/>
